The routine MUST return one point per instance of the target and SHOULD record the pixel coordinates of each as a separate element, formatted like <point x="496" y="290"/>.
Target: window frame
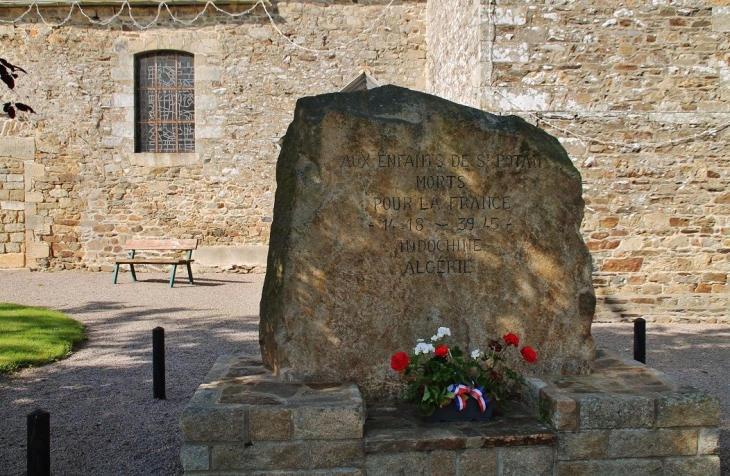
<point x="174" y="95"/>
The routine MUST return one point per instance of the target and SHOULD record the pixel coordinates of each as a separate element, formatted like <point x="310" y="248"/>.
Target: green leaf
<point x="426" y="394"/>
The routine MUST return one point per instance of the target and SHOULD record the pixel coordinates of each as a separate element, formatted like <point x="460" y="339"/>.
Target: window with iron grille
<point x="164" y="102"/>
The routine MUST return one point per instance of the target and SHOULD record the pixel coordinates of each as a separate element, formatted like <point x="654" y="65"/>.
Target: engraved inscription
<point x="438" y="226"/>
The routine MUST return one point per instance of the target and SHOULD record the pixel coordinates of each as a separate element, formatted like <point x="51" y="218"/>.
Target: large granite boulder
<point x="398" y="212"/>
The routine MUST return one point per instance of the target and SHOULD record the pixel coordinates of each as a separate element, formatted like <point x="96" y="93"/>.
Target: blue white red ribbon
<point x="462" y="392"/>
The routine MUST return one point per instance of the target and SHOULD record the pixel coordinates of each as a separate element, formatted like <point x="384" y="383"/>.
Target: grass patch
<point x="31" y="336"/>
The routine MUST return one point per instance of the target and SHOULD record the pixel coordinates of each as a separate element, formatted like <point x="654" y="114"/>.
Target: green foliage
<point x="543" y="410"/>
<point x="429" y="376"/>
<point x="31" y="336"/>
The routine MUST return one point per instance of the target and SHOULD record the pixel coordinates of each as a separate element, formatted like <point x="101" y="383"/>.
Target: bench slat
<point x="153" y="261"/>
<point x="187" y="244"/>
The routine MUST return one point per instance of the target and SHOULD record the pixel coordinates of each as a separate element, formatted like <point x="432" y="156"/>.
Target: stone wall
<point x="12" y="213"/>
<point x="95" y="192"/>
<point x="638" y="95"/>
<point x="23" y="220"/>
<point x="454" y="51"/>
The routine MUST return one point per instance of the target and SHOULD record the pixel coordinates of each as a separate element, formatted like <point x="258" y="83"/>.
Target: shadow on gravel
<point x="103" y="416"/>
<point x="104" y="419"/>
<point x="180" y="282"/>
<point x="129" y="312"/>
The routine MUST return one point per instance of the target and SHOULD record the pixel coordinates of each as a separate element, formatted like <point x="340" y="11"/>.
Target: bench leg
<point x="116" y="273"/>
<point x="172" y="274"/>
<point x="134" y="276"/>
<point x="190" y="274"/>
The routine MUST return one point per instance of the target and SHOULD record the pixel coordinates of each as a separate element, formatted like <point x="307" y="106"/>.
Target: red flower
<point x="529" y="355"/>
<point x="511" y="339"/>
<point x="441" y="351"/>
<point x="399" y="361"/>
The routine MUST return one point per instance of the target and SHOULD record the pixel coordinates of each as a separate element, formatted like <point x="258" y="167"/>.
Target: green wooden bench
<point x="158" y="245"/>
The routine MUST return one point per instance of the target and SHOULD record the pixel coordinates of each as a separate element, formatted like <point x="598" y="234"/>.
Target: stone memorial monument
<point x="398" y="212"/>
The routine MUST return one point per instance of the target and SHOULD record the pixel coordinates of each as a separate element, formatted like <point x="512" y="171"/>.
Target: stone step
<point x="624" y="418"/>
<point x="398" y="441"/>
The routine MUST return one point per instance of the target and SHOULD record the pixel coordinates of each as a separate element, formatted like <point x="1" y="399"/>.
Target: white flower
<point x="440" y="333"/>
<point x="419" y="340"/>
<point x="476" y="353"/>
<point x="423" y="348"/>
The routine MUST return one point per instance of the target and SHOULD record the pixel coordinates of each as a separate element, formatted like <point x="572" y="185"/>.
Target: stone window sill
<point x="147" y="159"/>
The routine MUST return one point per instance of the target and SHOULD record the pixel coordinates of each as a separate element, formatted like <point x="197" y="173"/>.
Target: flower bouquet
<point x="438" y="375"/>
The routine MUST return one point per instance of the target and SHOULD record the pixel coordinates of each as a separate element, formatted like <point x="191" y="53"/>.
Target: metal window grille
<point x="164" y="102"/>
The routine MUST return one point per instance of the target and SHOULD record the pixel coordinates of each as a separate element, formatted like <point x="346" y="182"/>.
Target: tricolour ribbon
<point x="462" y="392"/>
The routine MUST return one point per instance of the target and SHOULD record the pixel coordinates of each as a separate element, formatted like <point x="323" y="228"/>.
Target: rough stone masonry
<point x="636" y="91"/>
<point x="398" y="212"/>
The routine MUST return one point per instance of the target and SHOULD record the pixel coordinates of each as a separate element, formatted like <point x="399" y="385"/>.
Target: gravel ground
<point x="104" y="420"/>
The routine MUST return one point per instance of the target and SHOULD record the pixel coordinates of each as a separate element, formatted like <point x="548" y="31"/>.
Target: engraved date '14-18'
<point x="455" y="224"/>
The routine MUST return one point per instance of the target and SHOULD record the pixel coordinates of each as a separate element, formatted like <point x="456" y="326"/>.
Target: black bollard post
<point x="39" y="443"/>
<point x="640" y="340"/>
<point x="158" y="362"/>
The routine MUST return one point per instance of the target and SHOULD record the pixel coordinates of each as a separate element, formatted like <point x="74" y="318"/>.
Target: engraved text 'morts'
<point x="427" y="182"/>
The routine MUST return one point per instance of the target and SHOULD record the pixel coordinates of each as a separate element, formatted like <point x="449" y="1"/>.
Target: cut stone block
<point x="443" y="462"/>
<point x="272" y="456"/>
<point x="616" y="467"/>
<point x="406" y="462"/>
<point x="267" y="424"/>
<point x="563" y="409"/>
<point x="709" y="441"/>
<point x="535" y="460"/>
<point x="616" y="411"/>
<point x="697" y="466"/>
<point x="12" y="260"/>
<point x="195" y="458"/>
<point x="395" y="428"/>
<point x="690" y="408"/>
<point x="213" y="424"/>
<point x="646" y="443"/>
<point x="329" y="422"/>
<point x="479" y="461"/>
<point x="337" y="454"/>
<point x="591" y="444"/>
<point x="19" y="148"/>
<point x="253" y="421"/>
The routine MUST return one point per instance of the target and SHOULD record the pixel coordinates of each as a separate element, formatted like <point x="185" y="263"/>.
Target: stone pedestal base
<point x="624" y="418"/>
